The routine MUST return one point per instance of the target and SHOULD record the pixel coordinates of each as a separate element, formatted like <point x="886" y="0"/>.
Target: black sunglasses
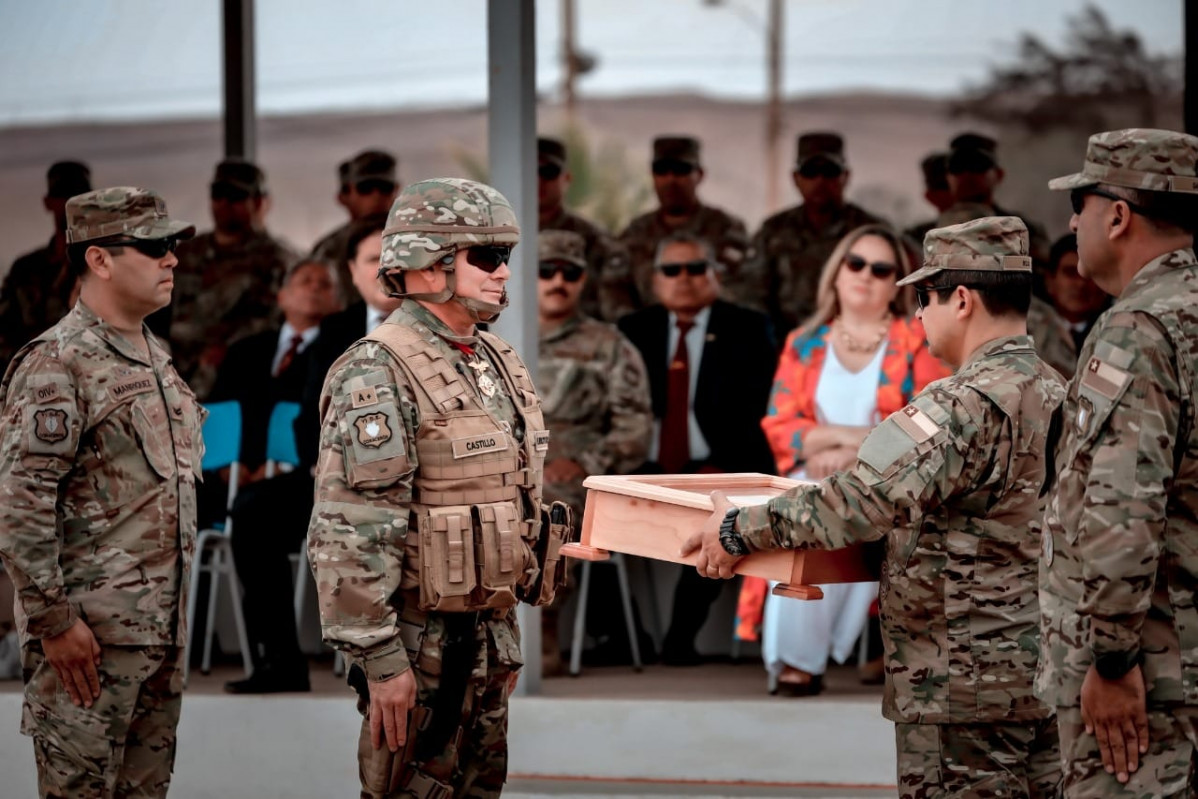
<point x="820" y="169"/>
<point x="221" y="191"/>
<point x="549" y="171"/>
<point x="374" y="186"/>
<point x="1077" y="199"/>
<point x="879" y="269"/>
<point x="571" y="273"/>
<point x="922" y="292"/>
<point x="668" y="166"/>
<point x="486" y="258"/>
<point x="693" y="268"/>
<point x="151" y="248"/>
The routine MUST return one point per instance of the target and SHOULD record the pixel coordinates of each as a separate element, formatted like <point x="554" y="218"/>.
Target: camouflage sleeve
<point x="43" y="423"/>
<point x="753" y="282"/>
<point x="630" y="418"/>
<point x="910" y="464"/>
<point x="1122" y="522"/>
<point x="617" y="290"/>
<point x="732" y="249"/>
<point x="360" y="519"/>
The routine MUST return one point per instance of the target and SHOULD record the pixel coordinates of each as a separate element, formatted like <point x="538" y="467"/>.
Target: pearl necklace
<point x="857" y="346"/>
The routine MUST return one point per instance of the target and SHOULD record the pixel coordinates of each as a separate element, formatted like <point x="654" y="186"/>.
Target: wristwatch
<point x="1113" y="665"/>
<point x="730" y="539"/>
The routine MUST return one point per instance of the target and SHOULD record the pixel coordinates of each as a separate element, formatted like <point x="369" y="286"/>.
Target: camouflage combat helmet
<point x="430" y="221"/>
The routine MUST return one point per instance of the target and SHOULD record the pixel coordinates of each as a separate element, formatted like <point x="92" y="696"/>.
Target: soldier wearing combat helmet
<point x="428" y="526"/>
<point x="1120" y="550"/>
<point x="97" y="476"/>
<point x="953" y="483"/>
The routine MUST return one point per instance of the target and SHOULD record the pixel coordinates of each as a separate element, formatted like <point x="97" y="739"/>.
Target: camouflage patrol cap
<point x="240" y="174"/>
<point x="972" y="152"/>
<point x="561" y="245"/>
<point x="65" y="179"/>
<point x="436" y="217"/>
<point x="551" y="150"/>
<point x="372" y="165"/>
<point x="827" y="146"/>
<point x="1137" y="158"/>
<point x="122" y="211"/>
<point x="676" y="148"/>
<point x="989" y="244"/>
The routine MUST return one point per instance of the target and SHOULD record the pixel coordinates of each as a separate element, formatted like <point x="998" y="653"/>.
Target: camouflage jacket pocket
<point x="153" y="434"/>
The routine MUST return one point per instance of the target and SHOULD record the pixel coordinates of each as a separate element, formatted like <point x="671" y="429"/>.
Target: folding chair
<point x="222" y="441"/>
<point x="580" y="613"/>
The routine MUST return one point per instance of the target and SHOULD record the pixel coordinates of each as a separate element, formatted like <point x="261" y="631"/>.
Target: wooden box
<point x="651" y="516"/>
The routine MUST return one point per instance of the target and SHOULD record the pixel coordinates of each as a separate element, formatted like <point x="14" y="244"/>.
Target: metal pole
<point x="512" y="134"/>
<point x="569" y="60"/>
<point x="240" y="115"/>
<point x="773" y="114"/>
<point x="1189" y="16"/>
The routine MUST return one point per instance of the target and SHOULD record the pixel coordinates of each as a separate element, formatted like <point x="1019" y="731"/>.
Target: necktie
<point x="674" y="446"/>
<point x="289" y="355"/>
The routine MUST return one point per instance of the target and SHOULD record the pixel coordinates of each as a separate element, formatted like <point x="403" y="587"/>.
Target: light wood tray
<point x="651" y="516"/>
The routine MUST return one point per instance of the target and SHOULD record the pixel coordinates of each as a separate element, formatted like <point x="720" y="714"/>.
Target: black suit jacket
<point x="337" y="332"/>
<point x="736" y="372"/>
<point x="245" y="376"/>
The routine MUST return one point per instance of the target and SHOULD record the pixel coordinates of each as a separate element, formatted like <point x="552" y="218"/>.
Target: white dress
<point x="804" y="634"/>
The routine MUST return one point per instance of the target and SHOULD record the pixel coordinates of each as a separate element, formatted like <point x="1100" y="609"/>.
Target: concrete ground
<point x="709" y="731"/>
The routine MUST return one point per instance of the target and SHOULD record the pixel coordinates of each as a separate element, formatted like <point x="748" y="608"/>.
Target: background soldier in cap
<point x="935" y="190"/>
<point x="37" y="290"/>
<point x="609" y="291"/>
<point x="226" y="280"/>
<point x="428" y="525"/>
<point x="789" y="251"/>
<point x="97" y="474"/>
<point x="368" y="187"/>
<point x="953" y="483"/>
<point x="677" y="174"/>
<point x="1120" y="562"/>
<point x="974" y="175"/>
<point x="594" y="388"/>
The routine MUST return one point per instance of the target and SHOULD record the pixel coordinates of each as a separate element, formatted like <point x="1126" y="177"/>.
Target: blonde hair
<point x="827" y="305"/>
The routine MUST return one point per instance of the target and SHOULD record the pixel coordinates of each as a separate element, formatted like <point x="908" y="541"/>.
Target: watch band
<point x="730" y="540"/>
<point x="1114" y="665"/>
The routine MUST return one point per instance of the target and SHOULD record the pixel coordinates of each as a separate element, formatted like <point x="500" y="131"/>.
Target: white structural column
<point x="512" y="133"/>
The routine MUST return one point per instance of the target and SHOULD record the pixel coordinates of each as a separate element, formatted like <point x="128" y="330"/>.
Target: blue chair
<point x="222" y="448"/>
<point x="280" y="438"/>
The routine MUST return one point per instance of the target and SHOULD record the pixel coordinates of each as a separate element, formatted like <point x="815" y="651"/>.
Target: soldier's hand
<point x="74" y="656"/>
<point x="390" y="701"/>
<point x="713" y="561"/>
<point x="1115" y="712"/>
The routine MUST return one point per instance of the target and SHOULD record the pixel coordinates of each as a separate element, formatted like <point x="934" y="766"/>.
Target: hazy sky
<point x="117" y="59"/>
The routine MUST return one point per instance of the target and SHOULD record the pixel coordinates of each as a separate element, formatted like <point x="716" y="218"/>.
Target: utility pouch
<point x="557" y="524"/>
<point x="447" y="569"/>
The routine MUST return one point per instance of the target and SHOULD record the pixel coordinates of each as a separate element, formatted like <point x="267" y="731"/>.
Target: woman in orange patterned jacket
<point x="858" y="359"/>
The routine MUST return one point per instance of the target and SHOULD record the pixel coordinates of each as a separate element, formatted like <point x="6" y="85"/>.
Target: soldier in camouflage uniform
<point x="1120" y="550"/>
<point x="368" y="185"/>
<point x="428" y="524"/>
<point x="226" y="280"/>
<point x="97" y="476"/>
<point x="677" y="174"/>
<point x="935" y="191"/>
<point x="595" y="392"/>
<point x="37" y="289"/>
<point x="609" y="291"/>
<point x="788" y="253"/>
<point x="952" y="482"/>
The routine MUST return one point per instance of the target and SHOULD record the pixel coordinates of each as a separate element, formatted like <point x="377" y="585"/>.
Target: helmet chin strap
<point x="479" y="310"/>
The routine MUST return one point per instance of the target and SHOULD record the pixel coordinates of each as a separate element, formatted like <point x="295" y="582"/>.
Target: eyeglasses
<point x="549" y="171"/>
<point x="488" y="258"/>
<point x="1077" y="198"/>
<point x="571" y="273"/>
<point x="879" y="269"/>
<point x="668" y="166"/>
<point x="151" y="248"/>
<point x="922" y="292"/>
<point x="223" y="191"/>
<point x="820" y="169"/>
<point x="693" y="268"/>
<point x="374" y="186"/>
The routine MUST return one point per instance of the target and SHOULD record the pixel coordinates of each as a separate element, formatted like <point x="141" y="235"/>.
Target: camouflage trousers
<point x="1168" y="769"/>
<point x="457" y="733"/>
<point x="124" y="744"/>
<point x="1000" y="759"/>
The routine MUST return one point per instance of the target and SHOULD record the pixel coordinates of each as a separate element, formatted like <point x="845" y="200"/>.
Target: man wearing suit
<point x="273" y="514"/>
<point x="708" y="395"/>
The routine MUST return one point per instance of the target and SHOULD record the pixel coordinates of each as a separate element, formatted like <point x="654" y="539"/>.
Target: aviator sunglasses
<point x="549" y="171"/>
<point x="668" y="166"/>
<point x="1077" y="199"/>
<point x="151" y="248"/>
<point x="571" y="273"/>
<point x="879" y="269"/>
<point x="693" y="268"/>
<point x="484" y="257"/>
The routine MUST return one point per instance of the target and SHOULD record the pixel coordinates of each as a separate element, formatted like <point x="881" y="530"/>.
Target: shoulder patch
<point x="915" y="423"/>
<point x="50" y="392"/>
<point x="1104" y="378"/>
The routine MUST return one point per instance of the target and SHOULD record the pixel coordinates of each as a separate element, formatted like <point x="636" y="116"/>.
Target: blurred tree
<point x="1102" y="78"/>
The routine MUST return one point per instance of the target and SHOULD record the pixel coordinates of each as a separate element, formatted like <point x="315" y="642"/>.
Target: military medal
<point x="485" y="384"/>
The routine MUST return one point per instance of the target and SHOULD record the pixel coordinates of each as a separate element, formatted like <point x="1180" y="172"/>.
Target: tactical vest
<point x="474" y="533"/>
